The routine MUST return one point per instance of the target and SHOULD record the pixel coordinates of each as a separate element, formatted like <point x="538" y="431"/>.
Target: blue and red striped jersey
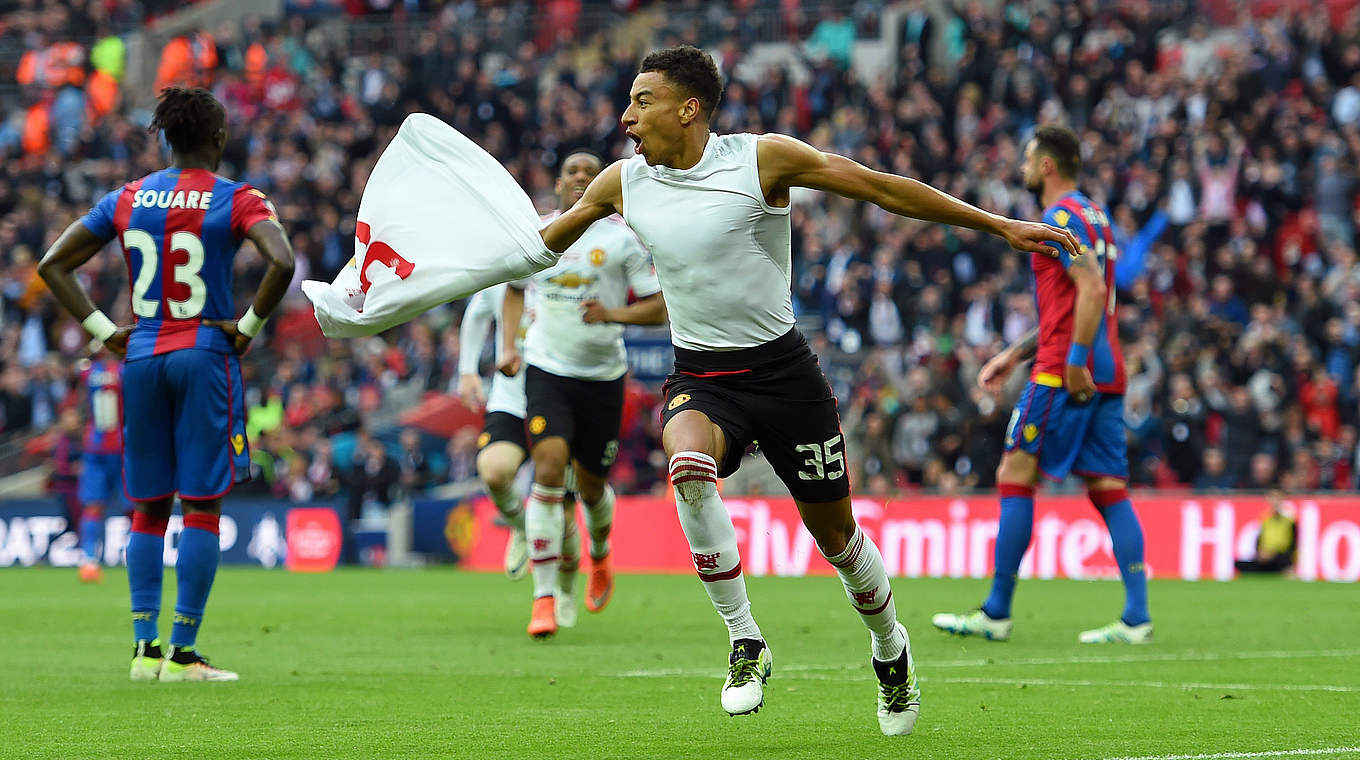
<point x="103" y="382"/>
<point x="179" y="229"/>
<point x="1055" y="296"/>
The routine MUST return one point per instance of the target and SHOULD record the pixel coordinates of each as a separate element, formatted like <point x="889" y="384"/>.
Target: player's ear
<point x="689" y="111"/>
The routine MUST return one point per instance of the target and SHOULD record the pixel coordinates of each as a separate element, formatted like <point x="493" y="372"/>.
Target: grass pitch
<point x="435" y="663"/>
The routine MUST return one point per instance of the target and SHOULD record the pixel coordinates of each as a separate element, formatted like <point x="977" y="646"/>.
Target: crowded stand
<point x="1223" y="145"/>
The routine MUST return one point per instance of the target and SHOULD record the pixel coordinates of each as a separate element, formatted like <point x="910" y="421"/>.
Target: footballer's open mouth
<point x="637" y="147"/>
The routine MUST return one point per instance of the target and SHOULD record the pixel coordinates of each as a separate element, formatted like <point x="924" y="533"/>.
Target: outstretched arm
<point x="786" y="162"/>
<point x="74" y="247"/>
<point x="604" y="196"/>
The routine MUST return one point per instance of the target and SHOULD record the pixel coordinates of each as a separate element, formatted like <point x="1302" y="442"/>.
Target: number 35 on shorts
<point x="822" y="461"/>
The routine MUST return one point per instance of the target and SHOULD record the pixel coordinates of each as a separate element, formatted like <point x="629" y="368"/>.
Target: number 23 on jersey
<point x="186" y="274"/>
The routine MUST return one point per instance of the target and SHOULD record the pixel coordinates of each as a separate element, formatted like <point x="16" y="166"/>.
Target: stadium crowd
<point x="1226" y="155"/>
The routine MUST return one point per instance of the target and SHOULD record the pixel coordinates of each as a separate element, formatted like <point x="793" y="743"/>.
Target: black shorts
<point x="587" y="413"/>
<point x="774" y="395"/>
<point x="503" y="426"/>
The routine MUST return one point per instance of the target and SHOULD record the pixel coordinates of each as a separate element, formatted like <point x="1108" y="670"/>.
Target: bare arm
<point x="272" y="243"/>
<point x="1091" y="293"/>
<point x="1025" y="348"/>
<point x="994" y="373"/>
<point x="785" y="162"/>
<point x="649" y="310"/>
<point x="75" y="246"/>
<point x="602" y="198"/>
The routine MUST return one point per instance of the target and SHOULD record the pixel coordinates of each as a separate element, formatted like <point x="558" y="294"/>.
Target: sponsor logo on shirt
<point x="572" y="280"/>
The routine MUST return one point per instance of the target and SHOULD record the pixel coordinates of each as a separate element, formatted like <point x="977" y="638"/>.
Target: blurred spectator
<point x="416" y="473"/>
<point x="371" y="480"/>
<point x="1275" y="544"/>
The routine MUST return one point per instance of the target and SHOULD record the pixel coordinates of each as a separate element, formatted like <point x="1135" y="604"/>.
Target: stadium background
<point x="1223" y="140"/>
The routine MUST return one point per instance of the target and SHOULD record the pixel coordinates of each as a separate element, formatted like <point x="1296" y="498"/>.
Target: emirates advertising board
<point x="1194" y="537"/>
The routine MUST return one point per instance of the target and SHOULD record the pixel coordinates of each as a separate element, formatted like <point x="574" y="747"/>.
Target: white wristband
<point x="250" y="323"/>
<point x="99" y="326"/>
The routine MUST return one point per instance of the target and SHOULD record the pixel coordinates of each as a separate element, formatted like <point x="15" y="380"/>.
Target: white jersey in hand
<point x="722" y="253"/>
<point x="440" y="219"/>
<point x="484" y="310"/>
<point x="603" y="265"/>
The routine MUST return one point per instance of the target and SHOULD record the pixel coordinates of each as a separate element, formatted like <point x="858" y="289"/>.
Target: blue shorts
<point x="101" y="479"/>
<point x="1085" y="439"/>
<point x="184" y="427"/>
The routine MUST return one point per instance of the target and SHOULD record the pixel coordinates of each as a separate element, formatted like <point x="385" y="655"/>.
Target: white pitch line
<point x="1103" y="684"/>
<point x="1147" y="684"/>
<point x="1269" y="753"/>
<point x="1078" y="660"/>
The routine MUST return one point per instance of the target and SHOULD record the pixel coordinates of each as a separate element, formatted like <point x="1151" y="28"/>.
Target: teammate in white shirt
<point x="503" y="446"/>
<point x="574" y="383"/>
<point x="713" y="211"/>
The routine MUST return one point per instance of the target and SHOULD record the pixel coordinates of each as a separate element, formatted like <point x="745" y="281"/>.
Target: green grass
<point x="435" y="663"/>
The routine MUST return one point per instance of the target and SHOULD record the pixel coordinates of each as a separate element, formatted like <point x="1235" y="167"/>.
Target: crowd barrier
<point x="1193" y="537"/>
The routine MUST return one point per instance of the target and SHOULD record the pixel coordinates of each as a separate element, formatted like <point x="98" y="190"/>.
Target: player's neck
<point x="692" y="152"/>
<point x="1054" y="191"/>
<point x="193" y="161"/>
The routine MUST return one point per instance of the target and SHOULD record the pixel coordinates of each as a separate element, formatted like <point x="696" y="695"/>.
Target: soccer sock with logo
<point x="1127" y="536"/>
<point x="571" y="545"/>
<point x="508" y="503"/>
<point x="1012" y="539"/>
<point x="712" y="541"/>
<point x="145" y="566"/>
<point x="199" y="550"/>
<point x="91" y="532"/>
<point x="860" y="567"/>
<point x="543" y="526"/>
<point x="599" y="521"/>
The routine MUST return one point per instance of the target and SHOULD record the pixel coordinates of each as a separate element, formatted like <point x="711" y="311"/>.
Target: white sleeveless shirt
<point x="721" y="252"/>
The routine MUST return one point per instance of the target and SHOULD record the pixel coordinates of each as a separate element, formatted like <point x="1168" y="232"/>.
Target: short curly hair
<point x="692" y="70"/>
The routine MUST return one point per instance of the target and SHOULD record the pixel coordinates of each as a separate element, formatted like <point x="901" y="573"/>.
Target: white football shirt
<point x="483" y="310"/>
<point x="603" y="265"/>
<point x="722" y="253"/>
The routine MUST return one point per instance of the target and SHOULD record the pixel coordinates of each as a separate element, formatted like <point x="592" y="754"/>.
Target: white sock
<point x="509" y="504"/>
<point x="599" y="520"/>
<point x="543" y="522"/>
<point x="712" y="541"/>
<point x="866" y="585"/>
<point x="571" y="543"/>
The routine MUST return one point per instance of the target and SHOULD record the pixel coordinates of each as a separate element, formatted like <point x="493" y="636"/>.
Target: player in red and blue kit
<point x="1069" y="419"/>
<point x="101" y="470"/>
<point x="183" y="404"/>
